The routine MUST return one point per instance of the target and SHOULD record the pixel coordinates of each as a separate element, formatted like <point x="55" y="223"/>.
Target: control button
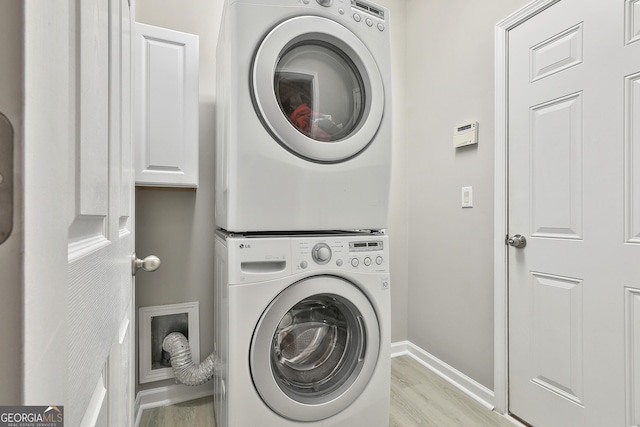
<point x="306" y="1"/>
<point x="339" y="263"/>
<point x="304" y="264"/>
<point x="369" y="22"/>
<point x="321" y="253"/>
<point x="325" y="3"/>
<point x="381" y="26"/>
<point x="379" y="260"/>
<point x="367" y="261"/>
<point x="357" y="17"/>
<point x="355" y="262"/>
<point x="341" y="11"/>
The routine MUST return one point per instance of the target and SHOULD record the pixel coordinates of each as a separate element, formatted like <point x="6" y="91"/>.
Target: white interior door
<point x="79" y="329"/>
<point x="101" y="236"/>
<point x="574" y="193"/>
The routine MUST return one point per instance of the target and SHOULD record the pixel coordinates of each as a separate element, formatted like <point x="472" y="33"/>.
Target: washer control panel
<point x="352" y="253"/>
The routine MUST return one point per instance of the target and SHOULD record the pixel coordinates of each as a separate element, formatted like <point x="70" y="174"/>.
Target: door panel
<point x="632" y="15"/>
<point x="571" y="193"/>
<point x="556" y="335"/>
<point x="632" y="357"/>
<point x="632" y="154"/>
<point x="101" y="239"/>
<point x="556" y="168"/>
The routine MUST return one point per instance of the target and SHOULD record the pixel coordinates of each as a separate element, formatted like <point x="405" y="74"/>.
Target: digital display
<point x="365" y="246"/>
<point x="365" y="7"/>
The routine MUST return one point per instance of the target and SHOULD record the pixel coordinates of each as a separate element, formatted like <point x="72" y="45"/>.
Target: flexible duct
<point x="184" y="369"/>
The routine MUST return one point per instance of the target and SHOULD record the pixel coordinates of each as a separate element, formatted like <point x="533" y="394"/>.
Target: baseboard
<point x="467" y="385"/>
<point x="169" y="395"/>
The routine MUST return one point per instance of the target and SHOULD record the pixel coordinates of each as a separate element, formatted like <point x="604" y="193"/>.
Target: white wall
<point x="11" y="105"/>
<point x="178" y="226"/>
<point x="449" y="82"/>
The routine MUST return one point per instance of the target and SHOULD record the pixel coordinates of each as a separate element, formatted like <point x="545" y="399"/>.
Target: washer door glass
<point x="317" y="89"/>
<point x="315" y="348"/>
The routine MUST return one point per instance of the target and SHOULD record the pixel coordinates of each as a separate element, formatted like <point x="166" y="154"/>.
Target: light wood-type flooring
<point x="418" y="398"/>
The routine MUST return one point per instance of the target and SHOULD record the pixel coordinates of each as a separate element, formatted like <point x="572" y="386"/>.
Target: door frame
<point x="501" y="200"/>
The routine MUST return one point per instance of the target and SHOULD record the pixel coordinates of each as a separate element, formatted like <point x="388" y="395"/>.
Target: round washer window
<point x="319" y="90"/>
<point x="317" y="347"/>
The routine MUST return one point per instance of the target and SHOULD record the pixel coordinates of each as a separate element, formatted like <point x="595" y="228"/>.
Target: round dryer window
<point x="315" y="348"/>
<point x="317" y="89"/>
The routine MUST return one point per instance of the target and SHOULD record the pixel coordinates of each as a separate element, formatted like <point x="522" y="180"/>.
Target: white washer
<point x="302" y="330"/>
<point x="303" y="116"/>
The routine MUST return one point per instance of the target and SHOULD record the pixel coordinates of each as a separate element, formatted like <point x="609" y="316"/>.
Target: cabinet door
<point x="166" y="107"/>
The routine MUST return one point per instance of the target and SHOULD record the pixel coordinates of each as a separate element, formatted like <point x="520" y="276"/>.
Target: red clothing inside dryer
<point x="301" y="119"/>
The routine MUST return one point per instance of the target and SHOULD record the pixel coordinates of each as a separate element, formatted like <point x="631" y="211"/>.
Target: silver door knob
<point x="517" y="241"/>
<point x="150" y="263"/>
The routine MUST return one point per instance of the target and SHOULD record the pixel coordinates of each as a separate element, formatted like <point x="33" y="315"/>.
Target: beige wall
<point x="11" y="105"/>
<point x="450" y="71"/>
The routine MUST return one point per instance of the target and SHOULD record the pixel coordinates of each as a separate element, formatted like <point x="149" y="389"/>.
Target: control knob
<point x="321" y="253"/>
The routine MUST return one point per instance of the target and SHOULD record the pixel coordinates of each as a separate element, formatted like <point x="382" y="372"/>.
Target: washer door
<point x="317" y="89"/>
<point x="315" y="348"/>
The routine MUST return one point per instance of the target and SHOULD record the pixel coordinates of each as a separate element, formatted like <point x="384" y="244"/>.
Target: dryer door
<point x="317" y="89"/>
<point x="315" y="348"/>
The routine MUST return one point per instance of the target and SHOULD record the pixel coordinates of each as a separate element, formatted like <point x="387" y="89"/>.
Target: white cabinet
<point x="166" y="107"/>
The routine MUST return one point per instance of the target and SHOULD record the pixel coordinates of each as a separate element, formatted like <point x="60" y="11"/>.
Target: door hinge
<point x="6" y="178"/>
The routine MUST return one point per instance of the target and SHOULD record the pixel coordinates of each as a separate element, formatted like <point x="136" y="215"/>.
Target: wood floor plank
<point x="195" y="413"/>
<point x="419" y="398"/>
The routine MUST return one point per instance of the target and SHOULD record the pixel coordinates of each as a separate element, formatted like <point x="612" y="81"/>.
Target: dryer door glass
<point x="319" y="91"/>
<point x="315" y="348"/>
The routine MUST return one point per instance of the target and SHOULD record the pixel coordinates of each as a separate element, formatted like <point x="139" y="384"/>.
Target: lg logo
<point x="245" y="246"/>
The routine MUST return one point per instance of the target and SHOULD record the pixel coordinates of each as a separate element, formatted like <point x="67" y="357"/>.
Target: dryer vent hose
<point x="184" y="369"/>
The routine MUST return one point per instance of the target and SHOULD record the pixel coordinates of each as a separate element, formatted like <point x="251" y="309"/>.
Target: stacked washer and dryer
<point x="303" y="159"/>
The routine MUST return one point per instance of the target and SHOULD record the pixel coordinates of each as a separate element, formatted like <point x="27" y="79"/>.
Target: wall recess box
<point x="465" y="134"/>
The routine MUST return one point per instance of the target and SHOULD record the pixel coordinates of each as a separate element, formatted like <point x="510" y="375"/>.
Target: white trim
<point x="169" y="395"/>
<point x="467" y="385"/>
<point x="500" y="260"/>
<point x="146" y="314"/>
<point x="472" y="388"/>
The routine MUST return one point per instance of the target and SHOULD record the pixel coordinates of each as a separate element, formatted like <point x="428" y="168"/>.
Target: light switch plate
<point x="467" y="197"/>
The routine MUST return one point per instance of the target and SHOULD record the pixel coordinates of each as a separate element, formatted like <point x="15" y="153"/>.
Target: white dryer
<point x="302" y="330"/>
<point x="303" y="116"/>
